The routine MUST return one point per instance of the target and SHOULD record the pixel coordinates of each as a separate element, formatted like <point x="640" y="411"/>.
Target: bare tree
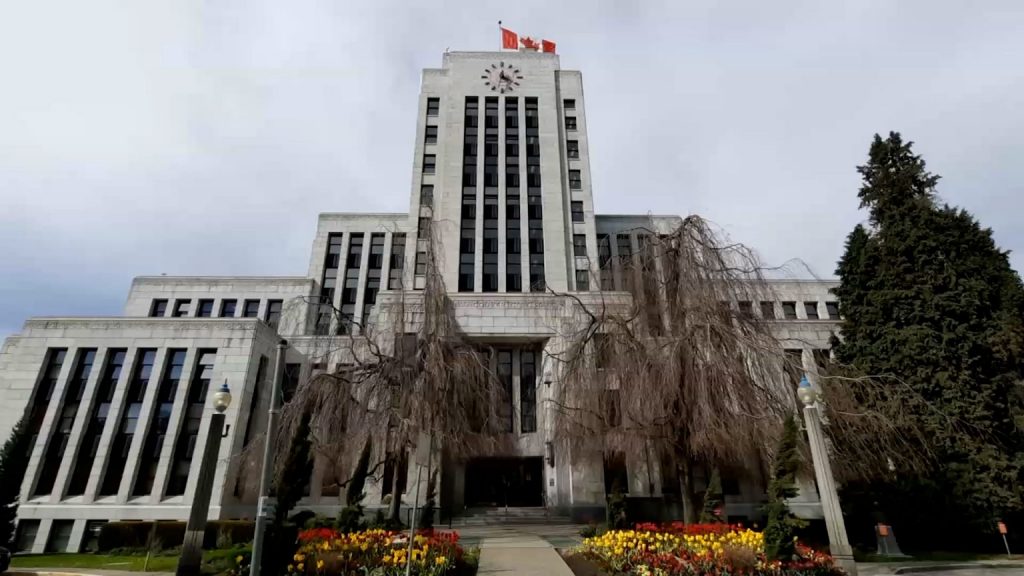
<point x="686" y="369"/>
<point x="410" y="372"/>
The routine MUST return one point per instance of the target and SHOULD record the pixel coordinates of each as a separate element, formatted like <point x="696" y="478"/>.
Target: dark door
<point x="505" y="482"/>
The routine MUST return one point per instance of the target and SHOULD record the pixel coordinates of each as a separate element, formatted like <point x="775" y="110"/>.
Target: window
<point x="789" y="310"/>
<point x="433" y="106"/>
<point x="570" y="122"/>
<point x="822" y="358"/>
<point x="604" y="258"/>
<point x="746" y="309"/>
<point x="427" y="195"/>
<point x="205" y="309"/>
<point x="582" y="280"/>
<point x="575" y="180"/>
<point x="528" y="391"/>
<point x="577" y="211"/>
<point x="768" y="310"/>
<point x="429" y="162"/>
<point x="569" y="104"/>
<point x="572" y="149"/>
<point x="251" y="309"/>
<point x="579" y="245"/>
<point x="833" y="310"/>
<point x="505" y="411"/>
<point x="227" y="308"/>
<point x="421" y="263"/>
<point x="182" y="308"/>
<point x="158" y="309"/>
<point x="290" y="381"/>
<point x="430" y="136"/>
<point x="812" y="310"/>
<point x="423" y="227"/>
<point x="273" y="315"/>
<point x="397" y="262"/>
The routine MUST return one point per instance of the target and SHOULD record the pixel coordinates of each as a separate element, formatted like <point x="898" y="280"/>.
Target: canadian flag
<point x="509" y="39"/>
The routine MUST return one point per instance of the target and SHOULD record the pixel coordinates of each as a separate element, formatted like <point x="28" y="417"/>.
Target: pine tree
<point x="781" y="524"/>
<point x="712" y="499"/>
<point x="927" y="297"/>
<point x="13" y="460"/>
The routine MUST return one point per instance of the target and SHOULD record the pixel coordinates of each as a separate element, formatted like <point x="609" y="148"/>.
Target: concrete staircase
<point x="502" y="516"/>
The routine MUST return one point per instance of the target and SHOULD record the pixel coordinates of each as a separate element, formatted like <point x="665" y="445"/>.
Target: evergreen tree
<point x="713" y="499"/>
<point x="13" y="460"/>
<point x="780" y="527"/>
<point x="927" y="297"/>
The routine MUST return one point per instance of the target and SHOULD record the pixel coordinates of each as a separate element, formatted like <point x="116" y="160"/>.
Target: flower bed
<point x="325" y="551"/>
<point x="696" y="549"/>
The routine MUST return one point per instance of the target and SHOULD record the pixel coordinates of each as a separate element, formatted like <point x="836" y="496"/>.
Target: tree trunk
<point x="686" y="493"/>
<point x="395" y="507"/>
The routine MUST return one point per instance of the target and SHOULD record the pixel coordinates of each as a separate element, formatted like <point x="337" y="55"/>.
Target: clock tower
<point x="505" y="163"/>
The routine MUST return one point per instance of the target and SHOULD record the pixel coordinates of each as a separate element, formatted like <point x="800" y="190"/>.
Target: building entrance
<point x="505" y="482"/>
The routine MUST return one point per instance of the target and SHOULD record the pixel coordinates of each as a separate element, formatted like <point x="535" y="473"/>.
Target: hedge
<point x="170" y="534"/>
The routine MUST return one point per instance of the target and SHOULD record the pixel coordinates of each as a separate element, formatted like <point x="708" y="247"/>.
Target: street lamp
<point x="839" y="544"/>
<point x="192" y="547"/>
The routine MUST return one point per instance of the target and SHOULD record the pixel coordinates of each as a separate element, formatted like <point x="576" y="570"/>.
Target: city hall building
<point x="118" y="407"/>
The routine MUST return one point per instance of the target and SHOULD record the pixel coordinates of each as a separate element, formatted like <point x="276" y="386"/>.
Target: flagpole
<point x="501" y="38"/>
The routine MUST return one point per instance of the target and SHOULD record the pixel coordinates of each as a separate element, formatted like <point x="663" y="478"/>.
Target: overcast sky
<point x="187" y="137"/>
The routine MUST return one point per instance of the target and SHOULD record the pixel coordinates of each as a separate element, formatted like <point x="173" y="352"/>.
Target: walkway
<point x="521" y="549"/>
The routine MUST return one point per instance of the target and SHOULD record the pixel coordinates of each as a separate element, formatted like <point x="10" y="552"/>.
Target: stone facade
<point x="501" y="185"/>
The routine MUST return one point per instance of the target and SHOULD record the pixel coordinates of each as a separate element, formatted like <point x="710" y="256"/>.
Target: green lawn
<point x="98" y="561"/>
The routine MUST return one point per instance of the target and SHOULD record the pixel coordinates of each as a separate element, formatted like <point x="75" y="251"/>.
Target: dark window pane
<point x="158" y="309"/>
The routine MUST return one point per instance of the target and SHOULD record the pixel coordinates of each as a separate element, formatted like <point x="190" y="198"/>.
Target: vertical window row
<point x="122" y="443"/>
<point x="374" y="267"/>
<point x="467" y="241"/>
<point x="329" y="283"/>
<point x="397" y="265"/>
<point x="154" y="442"/>
<point x="69" y="410"/>
<point x="185" y="446"/>
<point x="534" y="220"/>
<point x="528" y="390"/>
<point x="604" y="261"/>
<point x="505" y="410"/>
<point x="513" y="234"/>
<point x="489" y="277"/>
<point x="348" y="292"/>
<point x="624" y="247"/>
<point x="102" y="400"/>
<point x="47" y="384"/>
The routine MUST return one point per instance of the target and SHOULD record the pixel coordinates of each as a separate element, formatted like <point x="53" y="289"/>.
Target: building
<point x="119" y="406"/>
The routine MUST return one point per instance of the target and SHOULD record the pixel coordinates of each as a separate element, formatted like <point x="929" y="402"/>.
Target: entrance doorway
<point x="499" y="482"/>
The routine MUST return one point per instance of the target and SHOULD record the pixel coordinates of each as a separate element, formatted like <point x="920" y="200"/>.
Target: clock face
<point x="502" y="77"/>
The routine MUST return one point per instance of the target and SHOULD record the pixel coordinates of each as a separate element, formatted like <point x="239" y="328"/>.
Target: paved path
<point x="924" y="568"/>
<point x="528" y="550"/>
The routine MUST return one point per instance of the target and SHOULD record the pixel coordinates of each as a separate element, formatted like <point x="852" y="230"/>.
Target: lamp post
<point x="192" y="548"/>
<point x="264" y="504"/>
<point x="839" y="544"/>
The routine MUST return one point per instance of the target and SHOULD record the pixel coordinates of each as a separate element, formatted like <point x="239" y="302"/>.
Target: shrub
<point x="227" y="533"/>
<point x="588" y="531"/>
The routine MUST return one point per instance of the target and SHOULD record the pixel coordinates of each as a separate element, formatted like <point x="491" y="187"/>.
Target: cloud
<point x="199" y="138"/>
